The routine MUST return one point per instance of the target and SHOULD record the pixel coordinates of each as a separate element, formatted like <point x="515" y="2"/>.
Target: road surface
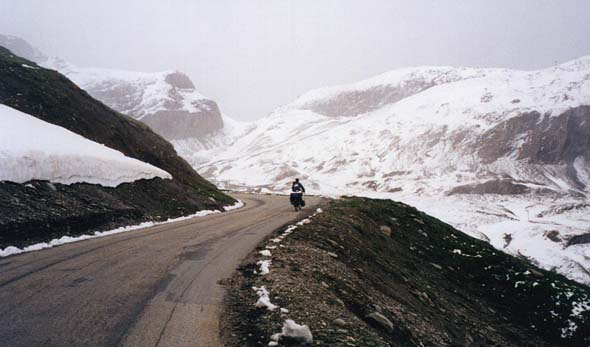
<point x="151" y="287"/>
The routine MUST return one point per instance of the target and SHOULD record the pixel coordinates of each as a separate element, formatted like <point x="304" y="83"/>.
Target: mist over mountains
<point x="167" y="101"/>
<point x="501" y="154"/>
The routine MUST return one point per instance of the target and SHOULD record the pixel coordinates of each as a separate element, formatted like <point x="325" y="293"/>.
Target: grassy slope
<point x="437" y="285"/>
<point x="48" y="95"/>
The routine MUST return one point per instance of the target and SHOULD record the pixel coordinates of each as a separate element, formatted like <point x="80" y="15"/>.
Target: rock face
<point x="167" y="101"/>
<point x="180" y="124"/>
<point x="487" y="150"/>
<point x="543" y="140"/>
<point x="353" y="101"/>
<point x="380" y="320"/>
<point x="36" y="212"/>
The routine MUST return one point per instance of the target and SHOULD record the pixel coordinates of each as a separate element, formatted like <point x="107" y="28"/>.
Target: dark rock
<point x="354" y="103"/>
<point x="502" y="187"/>
<point x="340" y="322"/>
<point x="579" y="240"/>
<point x="553" y="235"/>
<point x="547" y="139"/>
<point x="385" y="230"/>
<point x="380" y="320"/>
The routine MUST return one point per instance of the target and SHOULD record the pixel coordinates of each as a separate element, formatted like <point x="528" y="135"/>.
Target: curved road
<point x="151" y="287"/>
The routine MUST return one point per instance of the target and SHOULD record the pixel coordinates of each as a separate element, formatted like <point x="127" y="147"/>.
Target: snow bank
<point x="264" y="267"/>
<point x="32" y="149"/>
<point x="294" y="331"/>
<point x="264" y="299"/>
<point x="11" y="250"/>
<point x="265" y="253"/>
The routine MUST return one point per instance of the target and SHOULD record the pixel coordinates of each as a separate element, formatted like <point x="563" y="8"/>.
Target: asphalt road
<point x="151" y="287"/>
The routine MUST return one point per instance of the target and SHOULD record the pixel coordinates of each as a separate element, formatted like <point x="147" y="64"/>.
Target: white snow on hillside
<point x="379" y="146"/>
<point x="31" y="149"/>
<point x="137" y="93"/>
<point x="414" y="135"/>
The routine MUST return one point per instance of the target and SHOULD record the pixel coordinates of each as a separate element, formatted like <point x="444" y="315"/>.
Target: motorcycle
<point x="297" y="201"/>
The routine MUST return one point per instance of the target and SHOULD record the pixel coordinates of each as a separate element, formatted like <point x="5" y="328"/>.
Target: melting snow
<point x="264" y="266"/>
<point x="265" y="253"/>
<point x="263" y="299"/>
<point x="293" y="330"/>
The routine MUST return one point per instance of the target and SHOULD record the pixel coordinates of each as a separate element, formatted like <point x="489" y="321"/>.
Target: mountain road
<point x="157" y="286"/>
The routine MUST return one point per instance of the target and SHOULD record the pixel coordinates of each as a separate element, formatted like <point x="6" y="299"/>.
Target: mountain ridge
<point x="488" y="152"/>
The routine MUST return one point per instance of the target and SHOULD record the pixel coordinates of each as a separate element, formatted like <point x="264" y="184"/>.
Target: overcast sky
<point x="252" y="56"/>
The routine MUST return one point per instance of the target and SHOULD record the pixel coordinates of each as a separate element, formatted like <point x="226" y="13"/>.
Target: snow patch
<point x="264" y="267"/>
<point x="295" y="331"/>
<point x="264" y="299"/>
<point x="265" y="253"/>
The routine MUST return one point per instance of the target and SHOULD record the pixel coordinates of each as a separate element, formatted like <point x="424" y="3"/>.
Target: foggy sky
<point x="252" y="56"/>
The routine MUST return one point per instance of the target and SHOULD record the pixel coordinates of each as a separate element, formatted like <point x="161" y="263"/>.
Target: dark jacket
<point x="297" y="187"/>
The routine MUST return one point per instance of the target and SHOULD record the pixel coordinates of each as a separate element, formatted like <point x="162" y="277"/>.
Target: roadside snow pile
<point x="235" y="206"/>
<point x="292" y="330"/>
<point x="32" y="149"/>
<point x="264" y="267"/>
<point x="263" y="299"/>
<point x="11" y="250"/>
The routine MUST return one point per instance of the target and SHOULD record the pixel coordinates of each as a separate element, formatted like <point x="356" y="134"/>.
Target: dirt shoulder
<point x="379" y="273"/>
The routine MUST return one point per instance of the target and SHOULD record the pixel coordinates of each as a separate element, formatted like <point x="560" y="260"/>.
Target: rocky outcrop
<point x="180" y="124"/>
<point x="167" y="102"/>
<point x="492" y="187"/>
<point x="361" y="99"/>
<point x="354" y="103"/>
<point x="541" y="139"/>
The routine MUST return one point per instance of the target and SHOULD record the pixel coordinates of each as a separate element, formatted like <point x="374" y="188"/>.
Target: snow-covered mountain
<point x="167" y="101"/>
<point x="500" y="153"/>
<point x="31" y="149"/>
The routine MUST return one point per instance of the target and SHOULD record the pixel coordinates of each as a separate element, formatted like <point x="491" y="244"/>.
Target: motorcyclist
<point x="297" y="186"/>
<point x="297" y="190"/>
